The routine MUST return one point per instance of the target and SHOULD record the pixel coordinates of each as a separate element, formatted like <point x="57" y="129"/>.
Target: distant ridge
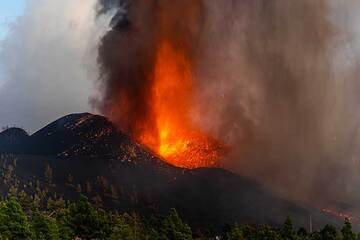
<point x="11" y="139"/>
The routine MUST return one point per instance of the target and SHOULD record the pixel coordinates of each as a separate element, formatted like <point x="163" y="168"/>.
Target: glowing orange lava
<point x="175" y="137"/>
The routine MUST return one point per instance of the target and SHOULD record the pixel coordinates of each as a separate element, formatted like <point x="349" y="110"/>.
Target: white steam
<point x="48" y="62"/>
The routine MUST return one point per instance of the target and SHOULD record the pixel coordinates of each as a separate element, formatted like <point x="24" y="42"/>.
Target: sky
<point x="9" y="10"/>
<point x="48" y="55"/>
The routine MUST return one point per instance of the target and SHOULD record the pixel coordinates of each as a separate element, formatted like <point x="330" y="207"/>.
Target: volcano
<point x="86" y="154"/>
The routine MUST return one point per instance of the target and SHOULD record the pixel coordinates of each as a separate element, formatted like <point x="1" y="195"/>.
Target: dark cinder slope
<point x="85" y="153"/>
<point x="12" y="140"/>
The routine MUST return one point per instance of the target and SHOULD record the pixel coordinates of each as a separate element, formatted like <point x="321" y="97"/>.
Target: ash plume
<point x="274" y="80"/>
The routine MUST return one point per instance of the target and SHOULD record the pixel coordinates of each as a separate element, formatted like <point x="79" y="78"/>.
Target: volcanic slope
<point x="12" y="139"/>
<point x="86" y="154"/>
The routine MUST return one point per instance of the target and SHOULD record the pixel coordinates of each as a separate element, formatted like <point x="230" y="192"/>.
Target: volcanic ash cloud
<point x="264" y="78"/>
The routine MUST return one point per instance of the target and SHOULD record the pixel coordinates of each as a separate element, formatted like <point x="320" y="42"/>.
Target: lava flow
<point x="174" y="137"/>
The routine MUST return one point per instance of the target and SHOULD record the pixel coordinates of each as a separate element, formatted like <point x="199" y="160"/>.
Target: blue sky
<point x="9" y="10"/>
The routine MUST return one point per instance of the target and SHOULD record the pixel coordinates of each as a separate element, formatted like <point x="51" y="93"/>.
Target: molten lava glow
<point x="175" y="137"/>
<point x="341" y="215"/>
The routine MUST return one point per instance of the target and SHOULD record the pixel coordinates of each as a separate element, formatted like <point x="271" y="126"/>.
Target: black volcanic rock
<point x="12" y="139"/>
<point x="88" y="155"/>
<point x="76" y="134"/>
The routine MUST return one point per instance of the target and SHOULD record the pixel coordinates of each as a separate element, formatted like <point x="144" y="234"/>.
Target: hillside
<point x="86" y="154"/>
<point x="12" y="139"/>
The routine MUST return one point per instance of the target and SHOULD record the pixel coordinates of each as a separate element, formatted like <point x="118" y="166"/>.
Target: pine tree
<point x="13" y="221"/>
<point x="122" y="230"/>
<point x="88" y="187"/>
<point x="173" y="227"/>
<point x="48" y="174"/>
<point x="329" y="233"/>
<point x="266" y="232"/>
<point x="236" y="233"/>
<point x="88" y="222"/>
<point x="347" y="232"/>
<point x="288" y="231"/>
<point x="44" y="227"/>
<point x="64" y="222"/>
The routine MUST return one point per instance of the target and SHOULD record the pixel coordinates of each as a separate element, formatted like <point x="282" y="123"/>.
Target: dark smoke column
<point x="128" y="52"/>
<point x="262" y="80"/>
<point x="126" y="57"/>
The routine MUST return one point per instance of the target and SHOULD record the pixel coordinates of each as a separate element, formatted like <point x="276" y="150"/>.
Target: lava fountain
<point x="175" y="137"/>
<point x="150" y="84"/>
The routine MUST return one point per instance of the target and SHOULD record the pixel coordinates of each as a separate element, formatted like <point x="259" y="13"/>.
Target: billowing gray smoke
<point x="282" y="90"/>
<point x="48" y="62"/>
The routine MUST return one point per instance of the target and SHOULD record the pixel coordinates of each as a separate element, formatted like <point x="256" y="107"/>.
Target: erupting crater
<point x="172" y="134"/>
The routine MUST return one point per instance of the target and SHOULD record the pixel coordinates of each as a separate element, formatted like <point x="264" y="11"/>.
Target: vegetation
<point x="288" y="232"/>
<point x="22" y="219"/>
<point x="34" y="210"/>
<point x="82" y="220"/>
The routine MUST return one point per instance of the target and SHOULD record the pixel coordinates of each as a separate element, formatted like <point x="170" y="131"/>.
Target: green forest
<point x="21" y="218"/>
